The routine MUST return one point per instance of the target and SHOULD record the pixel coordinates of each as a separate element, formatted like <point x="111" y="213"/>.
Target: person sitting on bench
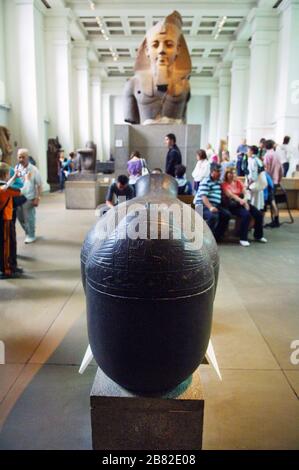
<point x="234" y="194"/>
<point x="208" y="199"/>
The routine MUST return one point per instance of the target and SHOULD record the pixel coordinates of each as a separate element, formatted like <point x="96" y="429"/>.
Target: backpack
<point x="260" y="166"/>
<point x="244" y="165"/>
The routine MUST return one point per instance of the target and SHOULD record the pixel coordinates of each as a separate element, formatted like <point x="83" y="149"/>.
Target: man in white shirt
<point x="285" y="154"/>
<point x="26" y="212"/>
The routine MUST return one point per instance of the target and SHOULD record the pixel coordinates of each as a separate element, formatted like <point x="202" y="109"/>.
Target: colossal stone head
<point x="160" y="89"/>
<point x="164" y="53"/>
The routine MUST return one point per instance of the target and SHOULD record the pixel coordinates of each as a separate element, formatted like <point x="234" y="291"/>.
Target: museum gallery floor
<point x="44" y="402"/>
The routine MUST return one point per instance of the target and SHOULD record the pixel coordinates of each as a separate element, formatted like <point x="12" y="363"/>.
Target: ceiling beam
<point x="129" y="62"/>
<point x="135" y="41"/>
<point x="56" y="3"/>
<point x="137" y="8"/>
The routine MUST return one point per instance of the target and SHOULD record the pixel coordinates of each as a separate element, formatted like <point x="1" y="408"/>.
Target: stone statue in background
<point x="91" y="145"/>
<point x="5" y="146"/>
<point x="160" y="89"/>
<point x="53" y="152"/>
<point x="86" y="165"/>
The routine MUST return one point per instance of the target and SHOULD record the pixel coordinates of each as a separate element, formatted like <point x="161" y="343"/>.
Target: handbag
<point x="260" y="184"/>
<point x="233" y="204"/>
<point x="144" y="169"/>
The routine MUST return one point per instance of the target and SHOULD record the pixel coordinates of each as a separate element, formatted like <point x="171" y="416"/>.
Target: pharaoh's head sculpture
<point x="164" y="52"/>
<point x="160" y="88"/>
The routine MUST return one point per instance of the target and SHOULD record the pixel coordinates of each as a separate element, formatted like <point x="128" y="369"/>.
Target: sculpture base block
<point x="82" y="194"/>
<point x="122" y="420"/>
<point x="149" y="140"/>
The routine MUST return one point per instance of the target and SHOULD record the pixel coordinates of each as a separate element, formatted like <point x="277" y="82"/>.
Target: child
<point x="8" y="247"/>
<point x="184" y="186"/>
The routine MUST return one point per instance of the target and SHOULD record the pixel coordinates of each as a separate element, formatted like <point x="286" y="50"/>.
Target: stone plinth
<point x="122" y="420"/>
<point x="149" y="140"/>
<point x="105" y="181"/>
<point x="82" y="194"/>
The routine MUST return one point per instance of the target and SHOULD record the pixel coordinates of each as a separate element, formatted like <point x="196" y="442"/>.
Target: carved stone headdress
<point x="182" y="64"/>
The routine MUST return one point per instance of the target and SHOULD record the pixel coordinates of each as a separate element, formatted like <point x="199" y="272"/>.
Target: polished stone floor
<point x="44" y="402"/>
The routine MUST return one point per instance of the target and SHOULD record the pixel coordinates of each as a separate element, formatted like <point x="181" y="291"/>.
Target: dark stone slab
<point x="122" y="420"/>
<point x="105" y="167"/>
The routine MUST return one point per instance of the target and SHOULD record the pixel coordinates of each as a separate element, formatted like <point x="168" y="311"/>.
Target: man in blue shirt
<point x="242" y="148"/>
<point x="242" y="158"/>
<point x="208" y="198"/>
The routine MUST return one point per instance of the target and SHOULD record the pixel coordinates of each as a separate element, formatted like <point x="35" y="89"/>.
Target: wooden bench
<point x="187" y="199"/>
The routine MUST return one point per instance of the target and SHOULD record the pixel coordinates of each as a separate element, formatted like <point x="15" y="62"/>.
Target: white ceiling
<point x="115" y="28"/>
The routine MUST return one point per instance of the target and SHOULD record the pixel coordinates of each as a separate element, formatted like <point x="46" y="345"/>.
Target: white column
<point x="106" y="126"/>
<point x="287" y="110"/>
<point x="96" y="111"/>
<point x="223" y="73"/>
<point x="239" y="95"/>
<point x="82" y="111"/>
<point x="2" y="57"/>
<point x="29" y="25"/>
<point x="59" y="73"/>
<point x="4" y="106"/>
<point x="263" y="75"/>
<point x="213" y="121"/>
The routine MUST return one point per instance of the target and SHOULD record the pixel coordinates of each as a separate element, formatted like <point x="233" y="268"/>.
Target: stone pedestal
<point x="122" y="420"/>
<point x="149" y="140"/>
<point x="105" y="181"/>
<point x="82" y="194"/>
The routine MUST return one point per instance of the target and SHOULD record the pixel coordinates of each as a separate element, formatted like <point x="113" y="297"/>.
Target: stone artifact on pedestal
<point x="53" y="152"/>
<point x="149" y="282"/>
<point x="160" y="90"/>
<point x="86" y="166"/>
<point x="149" y="298"/>
<point x="82" y="190"/>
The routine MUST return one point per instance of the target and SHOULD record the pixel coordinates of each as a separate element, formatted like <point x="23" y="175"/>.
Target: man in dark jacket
<point x="174" y="156"/>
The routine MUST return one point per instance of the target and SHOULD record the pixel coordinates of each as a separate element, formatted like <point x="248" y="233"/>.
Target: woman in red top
<point x="234" y="192"/>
